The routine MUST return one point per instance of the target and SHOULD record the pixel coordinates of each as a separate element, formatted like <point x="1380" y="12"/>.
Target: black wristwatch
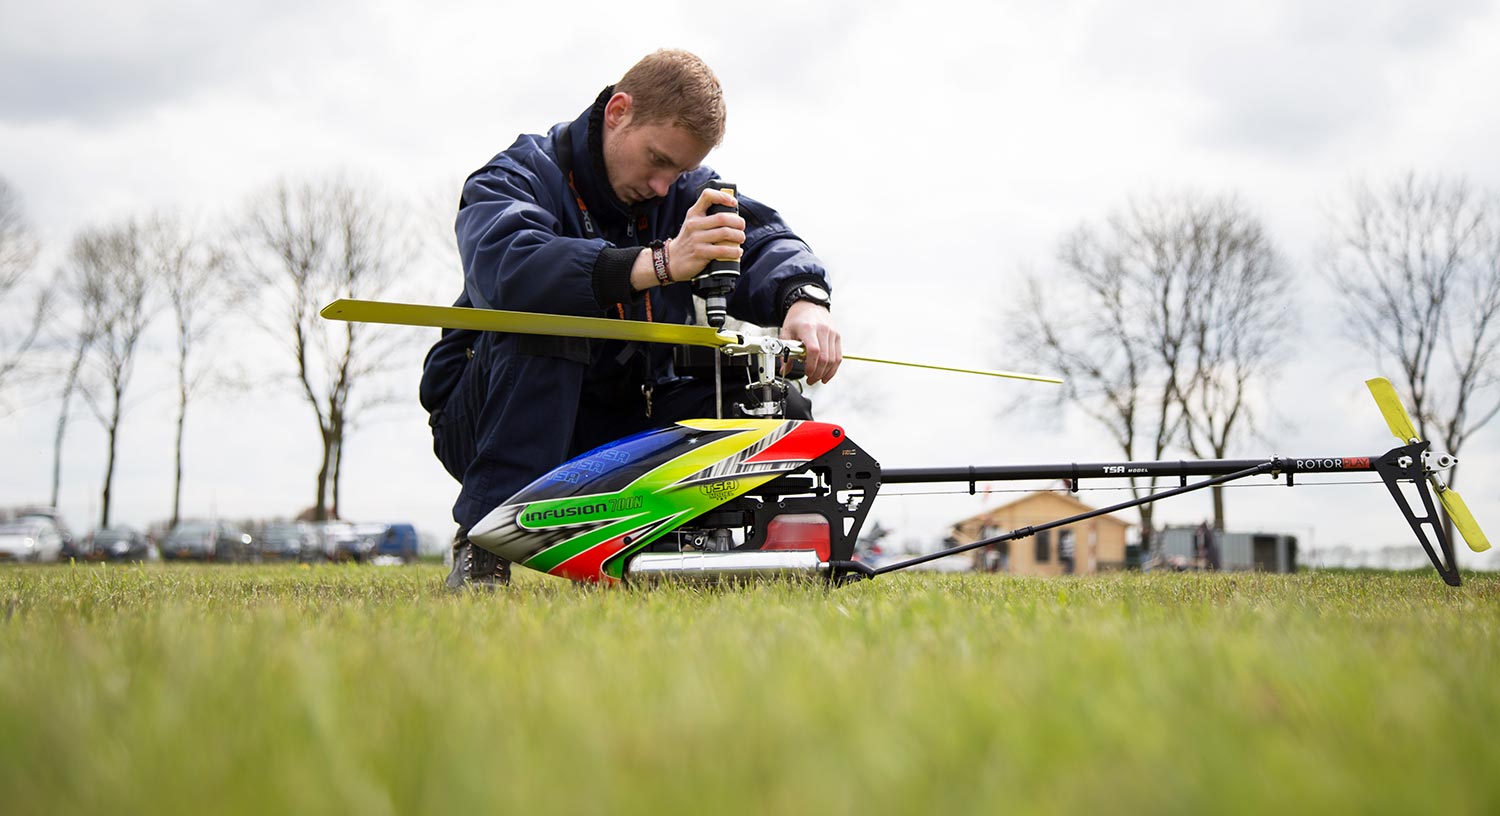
<point x="807" y="291"/>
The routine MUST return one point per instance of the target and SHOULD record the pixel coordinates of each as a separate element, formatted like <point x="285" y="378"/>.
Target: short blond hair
<point x="677" y="87"/>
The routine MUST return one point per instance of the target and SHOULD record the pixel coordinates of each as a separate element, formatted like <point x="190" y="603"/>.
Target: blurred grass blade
<point x="1463" y="520"/>
<point x="499" y="320"/>
<point x="1390" y="406"/>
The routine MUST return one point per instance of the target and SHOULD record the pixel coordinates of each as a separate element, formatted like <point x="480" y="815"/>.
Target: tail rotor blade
<point x="1391" y="408"/>
<point x="1463" y="520"/>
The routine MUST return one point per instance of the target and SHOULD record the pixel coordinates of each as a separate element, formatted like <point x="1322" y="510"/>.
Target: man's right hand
<point x="704" y="238"/>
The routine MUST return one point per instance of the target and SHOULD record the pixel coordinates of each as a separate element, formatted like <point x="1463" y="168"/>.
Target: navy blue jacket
<point x="522" y="239"/>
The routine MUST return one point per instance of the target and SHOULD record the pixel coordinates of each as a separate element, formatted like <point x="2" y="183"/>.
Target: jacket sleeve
<point x="775" y="262"/>
<point x="516" y="257"/>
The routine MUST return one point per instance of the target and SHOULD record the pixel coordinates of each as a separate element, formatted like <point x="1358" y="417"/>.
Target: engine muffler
<point x="729" y="567"/>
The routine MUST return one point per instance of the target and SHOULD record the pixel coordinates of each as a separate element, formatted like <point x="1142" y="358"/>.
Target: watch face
<point x="810" y="292"/>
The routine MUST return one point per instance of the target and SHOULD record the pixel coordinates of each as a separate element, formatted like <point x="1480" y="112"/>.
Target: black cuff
<point x="612" y="275"/>
<point x="786" y="287"/>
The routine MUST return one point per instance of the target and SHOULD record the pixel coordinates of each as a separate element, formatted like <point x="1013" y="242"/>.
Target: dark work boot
<point x="475" y="567"/>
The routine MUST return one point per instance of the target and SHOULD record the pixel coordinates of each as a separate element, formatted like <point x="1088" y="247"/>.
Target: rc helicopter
<point x="727" y="499"/>
<point x="723" y="499"/>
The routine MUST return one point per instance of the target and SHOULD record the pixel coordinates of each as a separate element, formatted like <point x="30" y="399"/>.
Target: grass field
<point x="164" y="689"/>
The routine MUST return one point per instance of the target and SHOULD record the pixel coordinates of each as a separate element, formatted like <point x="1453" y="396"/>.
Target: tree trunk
<point x="57" y="446"/>
<point x="336" y="417"/>
<point x="177" y="476"/>
<point x="320" y="507"/>
<point x="1147" y="511"/>
<point x="1148" y="535"/>
<point x="338" y="459"/>
<point x="109" y="469"/>
<point x="62" y="422"/>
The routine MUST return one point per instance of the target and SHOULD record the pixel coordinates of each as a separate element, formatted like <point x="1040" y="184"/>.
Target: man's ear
<point x="617" y="111"/>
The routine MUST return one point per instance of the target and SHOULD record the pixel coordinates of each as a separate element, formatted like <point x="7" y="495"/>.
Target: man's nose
<point x="661" y="183"/>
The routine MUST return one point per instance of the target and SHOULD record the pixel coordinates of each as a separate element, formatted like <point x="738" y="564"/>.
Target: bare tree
<point x="1238" y="327"/>
<point x="1150" y="322"/>
<point x="1418" y="264"/>
<point x="306" y="245"/>
<point x="193" y="272"/>
<point x="87" y="299"/>
<point x="18" y="252"/>
<point x="112" y="275"/>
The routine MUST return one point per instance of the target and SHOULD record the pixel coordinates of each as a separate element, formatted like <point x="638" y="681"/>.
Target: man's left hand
<point x="812" y="326"/>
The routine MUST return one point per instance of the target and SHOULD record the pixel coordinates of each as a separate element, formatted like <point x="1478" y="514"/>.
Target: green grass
<point x="165" y="689"/>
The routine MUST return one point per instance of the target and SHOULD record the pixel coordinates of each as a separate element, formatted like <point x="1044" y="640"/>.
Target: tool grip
<point x="717" y="280"/>
<point x="715" y="209"/>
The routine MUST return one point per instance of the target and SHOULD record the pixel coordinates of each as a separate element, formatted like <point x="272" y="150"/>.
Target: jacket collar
<point x="586" y="135"/>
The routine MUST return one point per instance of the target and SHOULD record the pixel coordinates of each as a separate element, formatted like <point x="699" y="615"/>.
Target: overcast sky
<point x="930" y="151"/>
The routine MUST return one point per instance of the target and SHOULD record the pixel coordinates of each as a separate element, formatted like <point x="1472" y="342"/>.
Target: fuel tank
<point x="586" y="518"/>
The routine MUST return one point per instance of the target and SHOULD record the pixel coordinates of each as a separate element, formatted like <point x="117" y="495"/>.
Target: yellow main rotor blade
<point x="1391" y="408"/>
<point x="985" y="372"/>
<point x="498" y="320"/>
<point x="1463" y="520"/>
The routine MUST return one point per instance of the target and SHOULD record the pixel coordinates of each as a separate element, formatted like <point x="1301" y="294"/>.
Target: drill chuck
<point x="715" y="284"/>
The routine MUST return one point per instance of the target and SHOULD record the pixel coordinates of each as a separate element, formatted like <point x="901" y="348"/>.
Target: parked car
<point x="120" y="544"/>
<point x="366" y="541"/>
<point x="398" y="541"/>
<point x="339" y="540"/>
<point x="51" y="516"/>
<point x="207" y="541"/>
<point x="289" y="542"/>
<point x="30" y="538"/>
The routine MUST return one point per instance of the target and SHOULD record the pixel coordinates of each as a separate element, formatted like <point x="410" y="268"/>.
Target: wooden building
<point x="1085" y="547"/>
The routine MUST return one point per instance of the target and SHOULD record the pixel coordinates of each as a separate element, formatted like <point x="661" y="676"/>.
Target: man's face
<point x="644" y="160"/>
